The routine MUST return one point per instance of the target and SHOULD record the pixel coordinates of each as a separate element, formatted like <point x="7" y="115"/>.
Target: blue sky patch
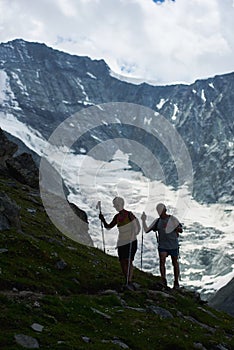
<point x="160" y="0"/>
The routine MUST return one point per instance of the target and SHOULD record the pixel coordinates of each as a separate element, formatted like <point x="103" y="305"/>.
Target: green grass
<point x="64" y="301"/>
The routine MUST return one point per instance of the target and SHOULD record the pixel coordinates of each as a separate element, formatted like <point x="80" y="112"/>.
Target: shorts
<point x="172" y="252"/>
<point x="123" y="250"/>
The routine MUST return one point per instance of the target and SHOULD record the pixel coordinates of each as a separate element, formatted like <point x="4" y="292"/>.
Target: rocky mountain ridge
<point x="42" y="87"/>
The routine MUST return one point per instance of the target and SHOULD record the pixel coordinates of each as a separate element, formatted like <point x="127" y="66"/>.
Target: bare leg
<point x="176" y="270"/>
<point x="130" y="272"/>
<point x="124" y="267"/>
<point x="162" y="266"/>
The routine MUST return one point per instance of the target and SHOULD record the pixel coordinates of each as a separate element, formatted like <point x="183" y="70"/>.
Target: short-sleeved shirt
<point x="127" y="226"/>
<point x="167" y="235"/>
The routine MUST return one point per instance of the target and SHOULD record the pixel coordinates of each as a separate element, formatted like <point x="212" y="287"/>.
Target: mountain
<point x="42" y="87"/>
<point x="137" y="140"/>
<point x="58" y="294"/>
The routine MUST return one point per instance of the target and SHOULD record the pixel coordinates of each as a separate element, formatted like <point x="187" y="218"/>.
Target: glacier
<point x="207" y="247"/>
<point x="208" y="229"/>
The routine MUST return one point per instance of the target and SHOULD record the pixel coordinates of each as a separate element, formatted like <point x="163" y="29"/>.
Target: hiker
<point x="168" y="228"/>
<point x="128" y="226"/>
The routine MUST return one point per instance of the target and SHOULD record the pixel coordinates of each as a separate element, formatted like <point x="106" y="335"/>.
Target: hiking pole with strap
<point x="98" y="206"/>
<point x="129" y="262"/>
<point x="157" y="239"/>
<point x="181" y="225"/>
<point x="179" y="262"/>
<point x="141" y="245"/>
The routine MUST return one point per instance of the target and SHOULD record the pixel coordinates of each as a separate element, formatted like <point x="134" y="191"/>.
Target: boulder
<point x="9" y="213"/>
<point x="24" y="169"/>
<point x="223" y="299"/>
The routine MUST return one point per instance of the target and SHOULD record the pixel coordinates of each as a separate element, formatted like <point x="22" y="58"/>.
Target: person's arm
<point x="179" y="227"/>
<point x="111" y="224"/>
<point x="145" y="227"/>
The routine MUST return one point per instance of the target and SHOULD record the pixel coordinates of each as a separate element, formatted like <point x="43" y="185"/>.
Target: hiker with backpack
<point x="128" y="227"/>
<point x="168" y="228"/>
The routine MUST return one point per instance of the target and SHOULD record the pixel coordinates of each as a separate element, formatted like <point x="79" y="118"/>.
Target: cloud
<point x="165" y="42"/>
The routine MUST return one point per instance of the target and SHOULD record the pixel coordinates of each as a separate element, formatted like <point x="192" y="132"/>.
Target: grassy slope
<point x="34" y="290"/>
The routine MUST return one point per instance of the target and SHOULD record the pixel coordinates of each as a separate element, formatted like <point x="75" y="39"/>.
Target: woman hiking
<point x="128" y="227"/>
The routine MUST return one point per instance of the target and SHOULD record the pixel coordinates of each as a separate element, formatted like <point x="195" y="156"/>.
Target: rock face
<point x="24" y="169"/>
<point x="224" y="298"/>
<point x="7" y="149"/>
<point x="70" y="219"/>
<point x="42" y="87"/>
<point x="9" y="213"/>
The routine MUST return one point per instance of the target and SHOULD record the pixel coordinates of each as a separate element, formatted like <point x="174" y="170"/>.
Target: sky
<point x="160" y="42"/>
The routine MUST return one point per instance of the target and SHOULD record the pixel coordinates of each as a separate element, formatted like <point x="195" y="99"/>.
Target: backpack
<point x="136" y="225"/>
<point x="155" y="228"/>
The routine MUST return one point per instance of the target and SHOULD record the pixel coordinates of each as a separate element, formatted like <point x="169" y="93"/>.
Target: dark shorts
<point x="124" y="250"/>
<point x="172" y="252"/>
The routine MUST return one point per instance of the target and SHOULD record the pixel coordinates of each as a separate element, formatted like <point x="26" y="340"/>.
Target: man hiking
<point x="168" y="228"/>
<point x="128" y="227"/>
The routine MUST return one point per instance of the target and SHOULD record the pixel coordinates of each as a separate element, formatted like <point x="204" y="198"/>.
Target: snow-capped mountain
<point x="40" y="88"/>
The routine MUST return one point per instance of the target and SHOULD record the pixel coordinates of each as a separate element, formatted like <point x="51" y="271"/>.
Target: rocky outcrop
<point x="9" y="213"/>
<point x="80" y="213"/>
<point x="73" y="223"/>
<point x="22" y="148"/>
<point x="224" y="298"/>
<point x="69" y="218"/>
<point x="21" y="167"/>
<point x="24" y="169"/>
<point x="7" y="149"/>
<point x="78" y="224"/>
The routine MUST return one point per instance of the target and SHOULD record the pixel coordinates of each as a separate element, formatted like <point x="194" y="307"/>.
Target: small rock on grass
<point x="37" y="327"/>
<point x="27" y="341"/>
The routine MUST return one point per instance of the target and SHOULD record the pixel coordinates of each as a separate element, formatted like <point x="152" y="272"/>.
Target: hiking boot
<point x="130" y="286"/>
<point x="176" y="285"/>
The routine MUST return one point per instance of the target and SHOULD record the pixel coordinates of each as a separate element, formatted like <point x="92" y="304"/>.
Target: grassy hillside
<point x="73" y="294"/>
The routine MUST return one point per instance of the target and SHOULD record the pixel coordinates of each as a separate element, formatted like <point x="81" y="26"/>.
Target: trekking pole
<point x="98" y="206"/>
<point x="129" y="262"/>
<point x="179" y="262"/>
<point x="141" y="246"/>
<point x="157" y="239"/>
<point x="179" y="255"/>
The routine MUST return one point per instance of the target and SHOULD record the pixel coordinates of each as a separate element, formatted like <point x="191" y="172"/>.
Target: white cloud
<point x="171" y="42"/>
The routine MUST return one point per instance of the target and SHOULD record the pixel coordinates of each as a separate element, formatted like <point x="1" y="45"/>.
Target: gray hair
<point x="119" y="200"/>
<point x="160" y="208"/>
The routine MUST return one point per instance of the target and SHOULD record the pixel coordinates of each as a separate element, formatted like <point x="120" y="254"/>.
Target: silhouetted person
<point x="168" y="228"/>
<point x="128" y="227"/>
